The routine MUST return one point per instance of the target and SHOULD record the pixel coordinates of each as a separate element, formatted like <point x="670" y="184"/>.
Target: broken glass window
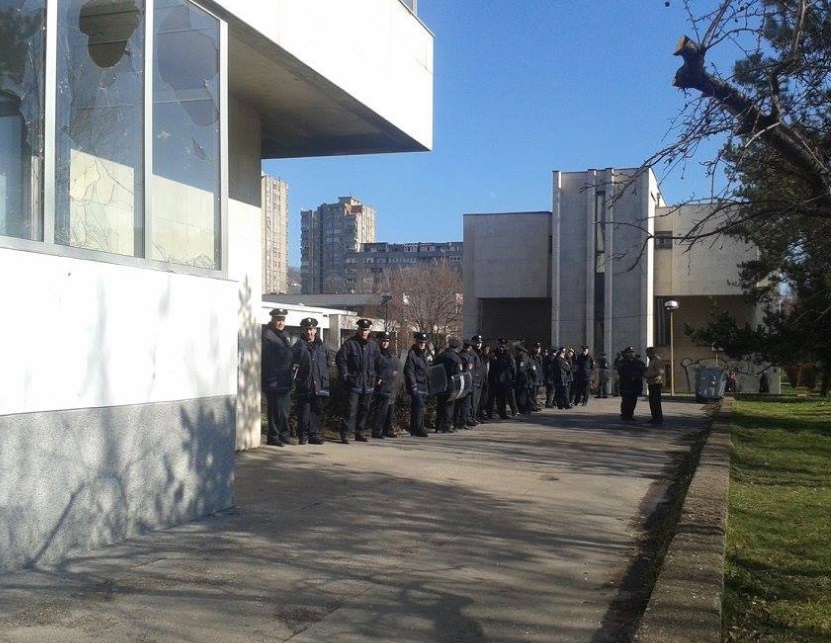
<point x="186" y="136"/>
<point x="99" y="170"/>
<point x="22" y="72"/>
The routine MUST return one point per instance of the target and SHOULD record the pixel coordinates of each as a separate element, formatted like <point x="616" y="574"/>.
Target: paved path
<point x="515" y="531"/>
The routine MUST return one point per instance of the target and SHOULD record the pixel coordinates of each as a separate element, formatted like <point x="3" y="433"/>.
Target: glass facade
<point x="137" y="118"/>
<point x="22" y="66"/>
<point x="99" y="170"/>
<point x="186" y="136"/>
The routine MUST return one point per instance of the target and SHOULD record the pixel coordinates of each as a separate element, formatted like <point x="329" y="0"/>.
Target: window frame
<point x="47" y="245"/>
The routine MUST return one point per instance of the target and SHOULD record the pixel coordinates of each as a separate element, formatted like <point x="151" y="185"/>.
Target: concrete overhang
<point x="332" y="77"/>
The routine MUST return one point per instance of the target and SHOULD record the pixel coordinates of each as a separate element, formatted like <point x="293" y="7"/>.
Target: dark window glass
<point x="22" y="68"/>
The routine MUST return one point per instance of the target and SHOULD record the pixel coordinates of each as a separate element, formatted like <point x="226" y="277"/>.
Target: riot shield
<point x="436" y="379"/>
<point x="460" y="385"/>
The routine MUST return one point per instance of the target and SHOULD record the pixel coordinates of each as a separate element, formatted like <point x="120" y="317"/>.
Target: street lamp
<point x="671" y="306"/>
<point x="386" y="298"/>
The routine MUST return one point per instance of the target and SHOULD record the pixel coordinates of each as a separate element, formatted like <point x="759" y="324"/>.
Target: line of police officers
<point x="369" y="371"/>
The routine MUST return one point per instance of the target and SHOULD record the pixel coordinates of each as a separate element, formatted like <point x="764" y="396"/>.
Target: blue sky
<point x="522" y="88"/>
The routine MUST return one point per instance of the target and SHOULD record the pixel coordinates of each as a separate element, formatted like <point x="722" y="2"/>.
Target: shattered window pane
<point x="186" y="142"/>
<point x="99" y="171"/>
<point x="22" y="69"/>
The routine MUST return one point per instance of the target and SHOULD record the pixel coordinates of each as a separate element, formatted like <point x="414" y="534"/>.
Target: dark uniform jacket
<point x="451" y="362"/>
<point x="312" y="361"/>
<point x="276" y="360"/>
<point x="631" y="372"/>
<point x="583" y="367"/>
<point x="561" y="371"/>
<point x="503" y="368"/>
<point x="415" y="372"/>
<point x="386" y="370"/>
<point x="356" y="364"/>
<point x="525" y="371"/>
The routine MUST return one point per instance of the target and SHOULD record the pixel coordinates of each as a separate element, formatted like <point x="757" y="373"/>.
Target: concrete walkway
<point x="515" y="531"/>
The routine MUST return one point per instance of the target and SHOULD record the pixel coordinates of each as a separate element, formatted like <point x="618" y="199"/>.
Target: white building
<point x="597" y="269"/>
<point x="131" y="140"/>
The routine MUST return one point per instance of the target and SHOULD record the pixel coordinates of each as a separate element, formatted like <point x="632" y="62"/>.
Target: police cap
<point x="420" y="336"/>
<point x="363" y="323"/>
<point x="502" y="341"/>
<point x="476" y="339"/>
<point x="382" y="335"/>
<point x="308" y="322"/>
<point x="629" y="349"/>
<point x="278" y="312"/>
<point x="454" y="342"/>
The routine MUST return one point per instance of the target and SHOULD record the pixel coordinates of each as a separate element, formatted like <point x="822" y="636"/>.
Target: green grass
<point x="778" y="564"/>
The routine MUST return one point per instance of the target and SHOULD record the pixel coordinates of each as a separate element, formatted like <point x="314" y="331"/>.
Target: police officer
<point x="583" y="369"/>
<point x="538" y="375"/>
<point x="445" y="407"/>
<point x="480" y="379"/>
<point x="548" y="364"/>
<point x="312" y="360"/>
<point x="356" y="366"/>
<point x="464" y="405"/>
<point x="603" y="376"/>
<point x="386" y="371"/>
<point x="276" y="377"/>
<point x="503" y="367"/>
<point x="415" y="379"/>
<point x="561" y="376"/>
<point x="630" y="378"/>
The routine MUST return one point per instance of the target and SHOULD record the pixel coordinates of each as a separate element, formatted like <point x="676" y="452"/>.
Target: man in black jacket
<point x="386" y="371"/>
<point x="503" y="369"/>
<point x="276" y="377"/>
<point x="356" y="366"/>
<point x="415" y="379"/>
<point x="445" y="407"/>
<point x="583" y="369"/>
<point x="311" y="358"/>
<point x="631" y="372"/>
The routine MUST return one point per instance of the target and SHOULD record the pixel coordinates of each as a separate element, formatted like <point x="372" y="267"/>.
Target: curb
<point x="685" y="605"/>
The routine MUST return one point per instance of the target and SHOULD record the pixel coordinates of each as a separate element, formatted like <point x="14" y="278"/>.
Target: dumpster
<point x="710" y="382"/>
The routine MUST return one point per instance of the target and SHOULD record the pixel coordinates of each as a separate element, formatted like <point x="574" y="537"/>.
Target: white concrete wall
<point x="709" y="266"/>
<point x="375" y="50"/>
<point x="244" y="261"/>
<point x="90" y="334"/>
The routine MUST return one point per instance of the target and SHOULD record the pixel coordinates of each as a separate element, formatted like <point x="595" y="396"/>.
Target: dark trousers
<point x="501" y="400"/>
<point x="512" y="399"/>
<point x="628" y="401"/>
<point x="309" y="415"/>
<point x="581" y="391"/>
<point x="357" y="412"/>
<point x="278" y="407"/>
<point x="461" y="414"/>
<point x="444" y="412"/>
<point x="417" y="414"/>
<point x="384" y="411"/>
<point x="655" y="403"/>
<point x="523" y="399"/>
<point x="490" y="401"/>
<point x="476" y="402"/>
<point x="549" y="394"/>
<point x="561" y="397"/>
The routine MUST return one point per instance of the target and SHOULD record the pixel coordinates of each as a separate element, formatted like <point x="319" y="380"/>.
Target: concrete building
<point x="131" y="142"/>
<point x="275" y="204"/>
<point x="327" y="235"/>
<point x="597" y="269"/>
<point x="370" y="268"/>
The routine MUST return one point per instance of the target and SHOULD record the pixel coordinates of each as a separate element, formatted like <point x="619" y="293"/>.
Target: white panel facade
<point x="88" y="334"/>
<point x="375" y="50"/>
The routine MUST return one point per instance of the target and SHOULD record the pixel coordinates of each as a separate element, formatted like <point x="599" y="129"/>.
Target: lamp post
<point x="671" y="306"/>
<point x="386" y="298"/>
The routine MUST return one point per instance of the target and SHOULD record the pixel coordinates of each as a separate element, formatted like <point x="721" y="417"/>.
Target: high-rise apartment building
<point x="369" y="268"/>
<point x="275" y="227"/>
<point x="327" y="235"/>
